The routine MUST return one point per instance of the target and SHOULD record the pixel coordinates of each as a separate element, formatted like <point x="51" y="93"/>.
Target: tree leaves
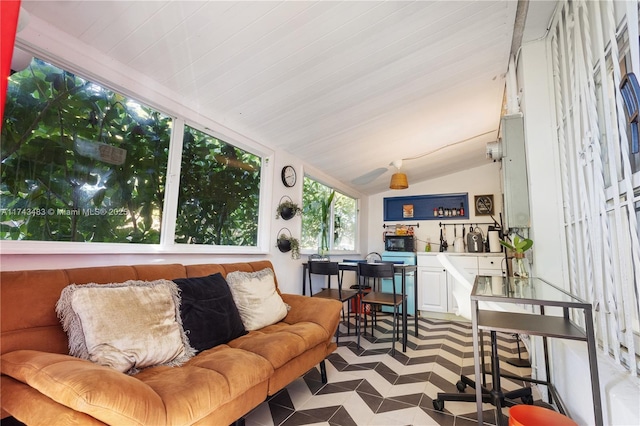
<point x="226" y="211"/>
<point x="77" y="198"/>
<point x="84" y="198"/>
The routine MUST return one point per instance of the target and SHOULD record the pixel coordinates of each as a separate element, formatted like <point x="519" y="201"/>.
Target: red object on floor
<point x="355" y="303"/>
<point x="532" y="415"/>
<point x="9" y="11"/>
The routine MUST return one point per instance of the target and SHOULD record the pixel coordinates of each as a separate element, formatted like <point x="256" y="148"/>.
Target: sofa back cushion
<point x="209" y="314"/>
<point x="27" y="315"/>
<point x="28" y="298"/>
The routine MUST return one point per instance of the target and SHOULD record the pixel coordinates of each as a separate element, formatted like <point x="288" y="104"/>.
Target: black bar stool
<point x="375" y="272"/>
<point x="330" y="269"/>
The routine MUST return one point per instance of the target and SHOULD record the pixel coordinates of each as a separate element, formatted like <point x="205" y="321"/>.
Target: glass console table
<point x="525" y="301"/>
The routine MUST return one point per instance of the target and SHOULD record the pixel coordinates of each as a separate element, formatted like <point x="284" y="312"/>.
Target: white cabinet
<point x="432" y="285"/>
<point x="435" y="285"/>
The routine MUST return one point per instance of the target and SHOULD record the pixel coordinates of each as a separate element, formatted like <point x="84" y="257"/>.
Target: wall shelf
<point x="421" y="207"/>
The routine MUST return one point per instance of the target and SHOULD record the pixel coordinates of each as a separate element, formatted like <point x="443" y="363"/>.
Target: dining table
<point x="399" y="269"/>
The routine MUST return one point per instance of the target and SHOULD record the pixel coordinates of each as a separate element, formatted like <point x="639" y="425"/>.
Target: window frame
<point x="172" y="181"/>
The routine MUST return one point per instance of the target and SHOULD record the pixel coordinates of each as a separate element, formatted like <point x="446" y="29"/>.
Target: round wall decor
<point x="288" y="176"/>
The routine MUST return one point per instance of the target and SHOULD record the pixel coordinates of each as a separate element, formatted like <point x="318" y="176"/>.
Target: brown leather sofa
<point x="42" y="385"/>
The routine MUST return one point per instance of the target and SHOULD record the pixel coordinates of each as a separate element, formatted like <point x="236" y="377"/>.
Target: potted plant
<point x="519" y="246"/>
<point x="287" y="209"/>
<point x="287" y="243"/>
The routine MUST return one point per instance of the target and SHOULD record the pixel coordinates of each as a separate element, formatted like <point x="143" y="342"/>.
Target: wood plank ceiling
<point x="346" y="86"/>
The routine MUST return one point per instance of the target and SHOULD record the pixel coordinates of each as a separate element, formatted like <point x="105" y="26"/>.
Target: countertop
<point x="452" y="253"/>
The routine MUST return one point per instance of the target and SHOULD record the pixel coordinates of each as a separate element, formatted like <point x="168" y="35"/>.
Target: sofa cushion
<point x="256" y="297"/>
<point x="277" y="348"/>
<point x="125" y="326"/>
<point x="209" y="314"/>
<point x="103" y="393"/>
<point x="241" y="369"/>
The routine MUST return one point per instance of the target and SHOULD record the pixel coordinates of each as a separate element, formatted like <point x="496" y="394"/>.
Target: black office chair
<point x="373" y="273"/>
<point x="330" y="269"/>
<point x="462" y="293"/>
<point x="492" y="396"/>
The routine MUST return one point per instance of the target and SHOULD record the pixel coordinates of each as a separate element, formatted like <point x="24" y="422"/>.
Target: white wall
<point x="481" y="180"/>
<point x="570" y="369"/>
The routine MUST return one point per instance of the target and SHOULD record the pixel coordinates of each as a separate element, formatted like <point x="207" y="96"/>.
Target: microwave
<point x="399" y="243"/>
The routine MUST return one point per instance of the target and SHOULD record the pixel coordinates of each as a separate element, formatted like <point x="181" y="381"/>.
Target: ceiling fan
<point x="376" y="173"/>
<point x="372" y="175"/>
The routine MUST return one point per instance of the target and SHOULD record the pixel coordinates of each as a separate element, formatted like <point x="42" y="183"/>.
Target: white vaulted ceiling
<point x="346" y="86"/>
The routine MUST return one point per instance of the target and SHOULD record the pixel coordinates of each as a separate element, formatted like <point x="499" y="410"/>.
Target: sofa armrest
<point x="101" y="392"/>
<point x="324" y="312"/>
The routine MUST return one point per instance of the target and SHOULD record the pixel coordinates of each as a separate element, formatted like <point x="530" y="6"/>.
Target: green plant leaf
<point x="520" y="245"/>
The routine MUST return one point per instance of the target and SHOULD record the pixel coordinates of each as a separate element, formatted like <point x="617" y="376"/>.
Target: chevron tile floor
<point x="368" y="386"/>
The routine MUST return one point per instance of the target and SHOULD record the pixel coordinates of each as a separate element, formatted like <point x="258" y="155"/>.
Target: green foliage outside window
<point x="344" y="222"/>
<point x="342" y="213"/>
<point x="79" y="162"/>
<point x="219" y="196"/>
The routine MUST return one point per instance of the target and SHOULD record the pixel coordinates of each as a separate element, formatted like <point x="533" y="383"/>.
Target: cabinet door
<point x="432" y="292"/>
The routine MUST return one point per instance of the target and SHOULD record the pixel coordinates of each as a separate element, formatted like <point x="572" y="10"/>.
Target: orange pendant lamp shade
<point x="399" y="181"/>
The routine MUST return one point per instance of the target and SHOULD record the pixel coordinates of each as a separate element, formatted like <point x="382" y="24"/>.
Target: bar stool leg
<point x="358" y="322"/>
<point x="393" y="328"/>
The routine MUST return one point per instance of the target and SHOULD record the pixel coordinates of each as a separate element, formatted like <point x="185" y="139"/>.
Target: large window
<point x="219" y="192"/>
<point x="84" y="164"/>
<point x="329" y="220"/>
<point x="80" y="162"/>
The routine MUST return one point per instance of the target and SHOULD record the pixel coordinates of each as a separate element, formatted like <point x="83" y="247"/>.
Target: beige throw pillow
<point x="256" y="297"/>
<point x="125" y="326"/>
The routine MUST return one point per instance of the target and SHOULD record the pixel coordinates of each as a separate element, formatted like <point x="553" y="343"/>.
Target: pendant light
<point x="398" y="180"/>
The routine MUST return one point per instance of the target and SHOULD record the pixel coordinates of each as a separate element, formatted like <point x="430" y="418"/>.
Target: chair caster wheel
<point x="461" y="386"/>
<point x="438" y="405"/>
<point x="527" y="400"/>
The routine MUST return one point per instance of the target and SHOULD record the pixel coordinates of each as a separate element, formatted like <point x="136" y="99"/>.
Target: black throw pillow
<point x="209" y="314"/>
